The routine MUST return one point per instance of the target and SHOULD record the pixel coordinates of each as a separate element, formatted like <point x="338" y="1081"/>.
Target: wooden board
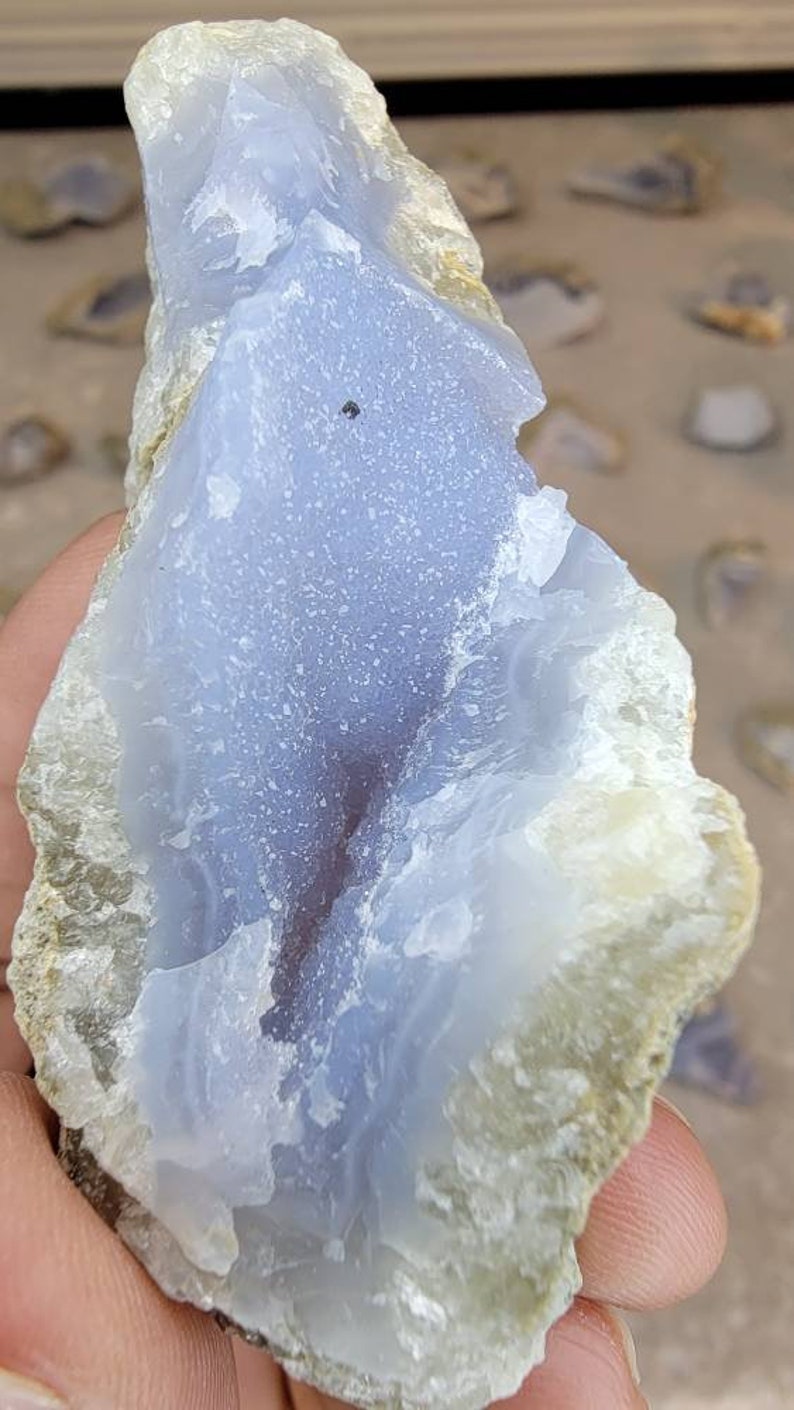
<point x="86" y="42"/>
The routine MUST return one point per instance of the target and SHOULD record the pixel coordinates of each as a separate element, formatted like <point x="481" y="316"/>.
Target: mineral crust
<point x="373" y="876"/>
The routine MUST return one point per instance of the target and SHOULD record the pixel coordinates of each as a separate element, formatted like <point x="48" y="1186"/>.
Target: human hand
<point x="80" y="1316"/>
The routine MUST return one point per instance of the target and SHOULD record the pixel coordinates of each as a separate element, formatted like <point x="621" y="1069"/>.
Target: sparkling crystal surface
<point x="383" y="876"/>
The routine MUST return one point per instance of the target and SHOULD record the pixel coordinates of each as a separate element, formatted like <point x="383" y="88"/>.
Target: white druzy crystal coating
<point x="373" y="874"/>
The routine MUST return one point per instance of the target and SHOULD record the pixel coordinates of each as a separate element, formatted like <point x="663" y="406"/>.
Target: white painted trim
<point x="419" y="38"/>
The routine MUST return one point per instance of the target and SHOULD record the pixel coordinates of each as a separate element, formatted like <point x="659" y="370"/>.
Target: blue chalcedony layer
<point x="322" y="663"/>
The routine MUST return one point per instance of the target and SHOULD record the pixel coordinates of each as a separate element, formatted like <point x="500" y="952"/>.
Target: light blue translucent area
<point x="464" y="921"/>
<point x="242" y="163"/>
<point x="282" y="628"/>
<point x="283" y="621"/>
<point x="465" y="918"/>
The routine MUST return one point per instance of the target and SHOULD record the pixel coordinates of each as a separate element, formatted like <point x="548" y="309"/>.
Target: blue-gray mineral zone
<point x="339" y="659"/>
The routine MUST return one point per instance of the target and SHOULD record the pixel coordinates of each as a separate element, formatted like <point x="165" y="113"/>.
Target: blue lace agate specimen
<point x="373" y="875"/>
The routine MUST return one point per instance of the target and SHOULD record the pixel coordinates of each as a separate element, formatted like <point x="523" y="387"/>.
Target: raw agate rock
<point x="736" y="417"/>
<point x="105" y="309"/>
<point x="709" y="1055"/>
<point x="89" y="189"/>
<point x="29" y="449"/>
<point x="568" y="438"/>
<point x="679" y="179"/>
<point x="765" y="738"/>
<point x="481" y="190"/>
<point x="548" y="303"/>
<point x="729" y="578"/>
<point x="374" y="878"/>
<point x="744" y="304"/>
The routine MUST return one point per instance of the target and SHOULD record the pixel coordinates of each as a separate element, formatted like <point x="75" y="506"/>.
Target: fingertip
<point x="589" y="1362"/>
<point x="260" y="1381"/>
<point x="14" y="1054"/>
<point x="32" y="641"/>
<point x="26" y="1117"/>
<point x="657" y="1230"/>
<point x="36" y="631"/>
<point x="55" y="603"/>
<point x="77" y="1312"/>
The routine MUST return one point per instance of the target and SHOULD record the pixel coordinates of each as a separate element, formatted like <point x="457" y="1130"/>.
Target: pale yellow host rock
<point x="374" y="878"/>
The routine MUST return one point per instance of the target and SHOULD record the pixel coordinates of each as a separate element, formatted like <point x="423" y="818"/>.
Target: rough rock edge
<point x="84" y="869"/>
<point x="428" y="233"/>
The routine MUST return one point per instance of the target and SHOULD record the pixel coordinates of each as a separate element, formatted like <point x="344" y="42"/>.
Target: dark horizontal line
<point x="40" y="108"/>
<point x="104" y="107"/>
<point x="588" y="92"/>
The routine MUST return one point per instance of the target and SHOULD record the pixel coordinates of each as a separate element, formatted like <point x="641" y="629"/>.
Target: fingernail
<point x="673" y="1110"/>
<point x="18" y="1393"/>
<point x="629" y="1347"/>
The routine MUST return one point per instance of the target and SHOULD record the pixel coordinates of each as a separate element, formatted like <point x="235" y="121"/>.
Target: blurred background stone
<point x="729" y="577"/>
<point x="765" y="738"/>
<point x="483" y="190"/>
<point x="737" y="417"/>
<point x="105" y="309"/>
<point x="548" y="303"/>
<point x="89" y="190"/>
<point x="744" y="304"/>
<point x="30" y="448"/>
<point x="678" y="179"/>
<point x="566" y="437"/>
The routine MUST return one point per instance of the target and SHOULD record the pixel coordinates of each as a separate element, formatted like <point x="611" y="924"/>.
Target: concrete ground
<point x="732" y="1347"/>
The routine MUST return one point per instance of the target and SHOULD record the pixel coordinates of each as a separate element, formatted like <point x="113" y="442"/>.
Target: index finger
<point x="32" y="641"/>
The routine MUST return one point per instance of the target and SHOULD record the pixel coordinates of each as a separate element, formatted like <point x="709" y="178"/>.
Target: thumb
<point x="81" y="1324"/>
